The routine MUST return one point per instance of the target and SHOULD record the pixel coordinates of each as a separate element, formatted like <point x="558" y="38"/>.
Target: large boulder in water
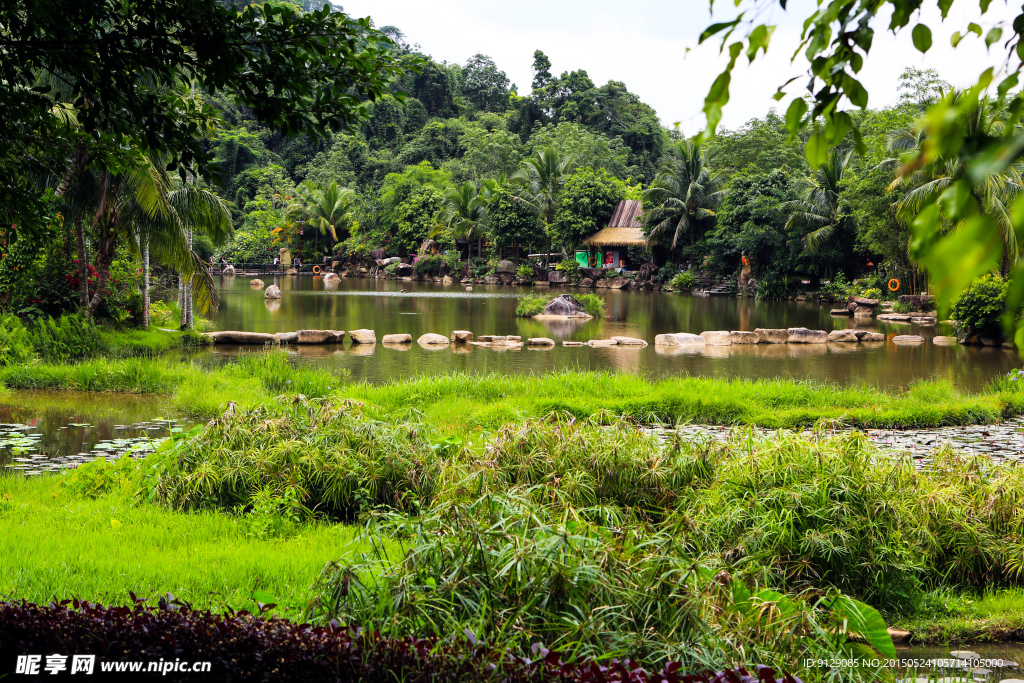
<point x="236" y="337"/>
<point x="566" y="306"/>
<point x="363" y="336"/>
<point x="802" y="335"/>
<point x="272" y="292"/>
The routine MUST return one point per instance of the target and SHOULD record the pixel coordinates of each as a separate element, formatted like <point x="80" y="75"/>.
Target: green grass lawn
<point x="56" y="544"/>
<point x="951" y="617"/>
<point x="458" y="401"/>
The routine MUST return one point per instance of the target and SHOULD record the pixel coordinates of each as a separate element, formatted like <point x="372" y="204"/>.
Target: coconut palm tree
<point x="820" y="207"/>
<point x="327" y="209"/>
<point x="140" y="205"/>
<point x="539" y="181"/>
<point x="684" y="195"/>
<point x="994" y="196"/>
<point x="464" y="212"/>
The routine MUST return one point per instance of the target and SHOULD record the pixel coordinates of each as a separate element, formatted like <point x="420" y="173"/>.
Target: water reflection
<point x="307" y="303"/>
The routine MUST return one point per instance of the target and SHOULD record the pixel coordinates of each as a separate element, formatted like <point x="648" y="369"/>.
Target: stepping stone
<point x="363" y="336"/>
<point x="767" y="335"/>
<point x="802" y="335"/>
<point x="573" y="343"/>
<point x="462" y="336"/>
<point x="397" y="339"/>
<point x="908" y="339"/>
<point x="601" y="343"/>
<point x="844" y="336"/>
<point x="740" y="337"/>
<point x="431" y="339"/>
<point x="679" y="339"/>
<point x="717" y="338"/>
<point x="945" y="340"/>
<point x="629" y="341"/>
<point x="540" y="341"/>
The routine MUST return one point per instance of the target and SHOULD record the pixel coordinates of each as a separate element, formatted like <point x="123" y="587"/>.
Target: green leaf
<point x="974" y="28"/>
<point x="758" y="40"/>
<point x="867" y="622"/>
<point x="993" y="36"/>
<point x="955" y="39"/>
<point x="795" y="115"/>
<point x="816" y="150"/>
<point x="922" y="36"/>
<point x="717" y="28"/>
<point x="944" y="6"/>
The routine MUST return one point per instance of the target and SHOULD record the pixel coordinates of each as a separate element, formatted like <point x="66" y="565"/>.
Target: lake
<point x="381" y="305"/>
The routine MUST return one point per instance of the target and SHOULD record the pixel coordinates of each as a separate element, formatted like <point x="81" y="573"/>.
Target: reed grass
<point x="57" y="544"/>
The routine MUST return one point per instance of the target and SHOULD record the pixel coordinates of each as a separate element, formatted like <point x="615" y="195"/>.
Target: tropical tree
<point x="143" y="207"/>
<point x="684" y="195"/>
<point x="326" y="209"/>
<point x="464" y="212"/>
<point x="820" y="208"/>
<point x="994" y="191"/>
<point x="539" y="181"/>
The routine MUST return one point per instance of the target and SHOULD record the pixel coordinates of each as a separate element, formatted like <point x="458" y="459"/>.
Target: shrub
<point x="592" y="304"/>
<point x="773" y="287"/>
<point x="872" y="293"/>
<point x="391" y="269"/>
<point x="570" y="269"/>
<point x="248" y="648"/>
<point x="838" y="289"/>
<point x="429" y="264"/>
<point x="979" y="309"/>
<point x="71" y="338"/>
<point x="531" y="304"/>
<point x="901" y="307"/>
<point x="524" y="273"/>
<point x="15" y="342"/>
<point x="686" y="280"/>
<point x="453" y="261"/>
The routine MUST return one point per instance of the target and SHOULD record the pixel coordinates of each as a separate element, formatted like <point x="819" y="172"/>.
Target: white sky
<point x="643" y="44"/>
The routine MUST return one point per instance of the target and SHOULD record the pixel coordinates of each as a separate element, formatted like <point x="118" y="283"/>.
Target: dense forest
<point x="456" y="154"/>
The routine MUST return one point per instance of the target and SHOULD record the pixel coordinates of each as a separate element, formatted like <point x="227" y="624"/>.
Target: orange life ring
<point x="593" y="262"/>
<point x="316" y="270"/>
<point x="894" y="285"/>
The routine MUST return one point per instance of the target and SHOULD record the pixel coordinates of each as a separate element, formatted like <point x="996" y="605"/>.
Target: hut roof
<point x="623" y="227"/>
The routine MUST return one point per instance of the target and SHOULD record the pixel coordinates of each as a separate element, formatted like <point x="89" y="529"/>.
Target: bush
<point x="524" y="273"/>
<point x="773" y="287"/>
<point x="978" y="311"/>
<point x="429" y="264"/>
<point x="71" y="338"/>
<point x="452" y="260"/>
<point x="570" y="269"/>
<point x="901" y="307"/>
<point x="686" y="280"/>
<point x="246" y="648"/>
<point x="531" y="304"/>
<point x="872" y="293"/>
<point x="838" y="289"/>
<point x="592" y="304"/>
<point x="391" y="269"/>
<point x="15" y="342"/>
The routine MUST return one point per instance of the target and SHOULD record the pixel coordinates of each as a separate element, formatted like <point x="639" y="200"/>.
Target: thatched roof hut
<point x="624" y="227"/>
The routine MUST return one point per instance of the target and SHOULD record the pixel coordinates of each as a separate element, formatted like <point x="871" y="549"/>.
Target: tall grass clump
<point x="594" y="582"/>
<point x="801" y="512"/>
<point x="531" y="305"/>
<point x="593" y="305"/>
<point x="595" y="461"/>
<point x="327" y="457"/>
<point x="132" y="375"/>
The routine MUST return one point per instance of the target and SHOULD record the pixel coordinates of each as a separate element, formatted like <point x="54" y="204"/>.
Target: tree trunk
<point x="145" y="283"/>
<point x="83" y="266"/>
<point x="186" y="304"/>
<point x="104" y="256"/>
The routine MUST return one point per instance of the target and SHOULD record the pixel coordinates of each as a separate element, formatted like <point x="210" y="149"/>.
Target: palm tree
<point x="684" y="195"/>
<point x="142" y="206"/>
<point x="326" y="209"/>
<point x="994" y="196"/>
<point x="464" y="212"/>
<point x="540" y="179"/>
<point x="820" y="207"/>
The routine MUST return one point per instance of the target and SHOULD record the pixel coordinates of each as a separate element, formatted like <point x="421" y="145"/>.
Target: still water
<point x="381" y="305"/>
